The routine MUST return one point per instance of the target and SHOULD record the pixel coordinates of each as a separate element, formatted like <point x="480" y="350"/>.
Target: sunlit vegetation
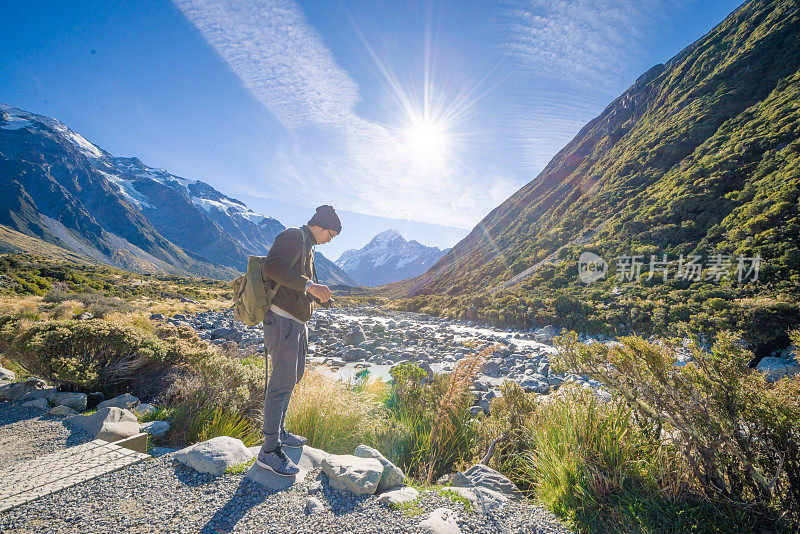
<point x="698" y="157"/>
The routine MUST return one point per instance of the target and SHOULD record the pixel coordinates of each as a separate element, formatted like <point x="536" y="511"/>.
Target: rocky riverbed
<point x="345" y="341"/>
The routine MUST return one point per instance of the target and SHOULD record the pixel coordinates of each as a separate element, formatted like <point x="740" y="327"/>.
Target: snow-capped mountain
<point x="60" y="187"/>
<point x="388" y="258"/>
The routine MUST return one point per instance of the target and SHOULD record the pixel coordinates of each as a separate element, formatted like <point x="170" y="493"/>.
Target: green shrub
<point x="584" y="452"/>
<point x="502" y="436"/>
<point x="738" y="432"/>
<point x="440" y="433"/>
<point x="93" y="354"/>
<point x="211" y="381"/>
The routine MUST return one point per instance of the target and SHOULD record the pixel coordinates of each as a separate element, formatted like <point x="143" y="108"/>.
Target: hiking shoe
<point x="292" y="440"/>
<point x="278" y="462"/>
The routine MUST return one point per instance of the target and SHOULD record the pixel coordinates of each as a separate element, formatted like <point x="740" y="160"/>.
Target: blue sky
<point x="422" y="116"/>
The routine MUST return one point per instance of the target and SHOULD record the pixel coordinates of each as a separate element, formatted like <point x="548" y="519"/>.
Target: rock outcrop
<point x="214" y="456"/>
<point x="108" y="424"/>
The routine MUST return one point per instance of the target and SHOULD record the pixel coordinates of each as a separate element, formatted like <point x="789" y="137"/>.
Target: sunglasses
<point x="330" y="233"/>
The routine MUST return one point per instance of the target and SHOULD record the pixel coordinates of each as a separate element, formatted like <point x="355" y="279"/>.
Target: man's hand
<point x="320" y="291"/>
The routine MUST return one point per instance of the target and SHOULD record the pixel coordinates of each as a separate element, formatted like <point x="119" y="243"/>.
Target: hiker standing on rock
<point x="290" y="264"/>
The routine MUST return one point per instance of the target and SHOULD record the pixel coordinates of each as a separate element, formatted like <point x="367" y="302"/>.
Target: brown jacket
<point x="291" y="296"/>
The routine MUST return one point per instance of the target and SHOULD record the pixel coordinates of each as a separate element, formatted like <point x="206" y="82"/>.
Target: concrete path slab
<point x="53" y="472"/>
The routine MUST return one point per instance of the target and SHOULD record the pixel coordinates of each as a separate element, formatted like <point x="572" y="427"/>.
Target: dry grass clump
<point x="337" y="417"/>
<point x="171" y="306"/>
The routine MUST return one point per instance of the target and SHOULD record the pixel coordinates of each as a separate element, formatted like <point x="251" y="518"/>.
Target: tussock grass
<point x="338" y="418"/>
<point x="212" y="423"/>
<point x="172" y="306"/>
<point x="451" y="410"/>
<point x="585" y="451"/>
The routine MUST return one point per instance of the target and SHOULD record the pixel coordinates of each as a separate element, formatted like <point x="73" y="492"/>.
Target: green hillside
<point x="699" y="157"/>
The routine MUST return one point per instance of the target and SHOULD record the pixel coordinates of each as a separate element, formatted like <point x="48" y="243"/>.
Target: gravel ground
<point x="165" y="496"/>
<point x="28" y="432"/>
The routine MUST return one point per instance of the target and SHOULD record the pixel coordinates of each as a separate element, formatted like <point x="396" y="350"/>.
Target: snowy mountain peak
<point x="388" y="257"/>
<point x="385" y="238"/>
<point x="12" y="118"/>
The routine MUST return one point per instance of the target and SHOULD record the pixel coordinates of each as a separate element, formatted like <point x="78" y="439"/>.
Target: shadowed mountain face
<point x="700" y="154"/>
<point x="388" y="258"/>
<point x="59" y="187"/>
<point x="51" y="189"/>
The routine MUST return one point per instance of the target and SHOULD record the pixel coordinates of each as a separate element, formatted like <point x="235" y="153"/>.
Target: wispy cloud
<point x="278" y="56"/>
<point x="583" y="41"/>
<point x="336" y="155"/>
<point x="579" y="54"/>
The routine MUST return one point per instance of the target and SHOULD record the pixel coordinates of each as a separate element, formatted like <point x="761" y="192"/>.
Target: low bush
<point x="585" y="454"/>
<point x="96" y="355"/>
<point x="737" y="433"/>
<point x="435" y="412"/>
<point x="502" y="438"/>
<point x="211" y="381"/>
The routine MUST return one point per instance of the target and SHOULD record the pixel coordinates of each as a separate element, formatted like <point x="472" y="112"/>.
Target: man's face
<point x="327" y="235"/>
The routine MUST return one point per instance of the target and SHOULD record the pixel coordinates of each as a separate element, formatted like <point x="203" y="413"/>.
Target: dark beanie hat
<point x="326" y="217"/>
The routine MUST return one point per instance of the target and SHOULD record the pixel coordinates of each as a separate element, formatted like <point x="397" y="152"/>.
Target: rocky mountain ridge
<point x="61" y="188"/>
<point x="388" y="257"/>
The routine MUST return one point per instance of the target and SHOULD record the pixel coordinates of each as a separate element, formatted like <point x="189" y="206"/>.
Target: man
<point x="290" y="263"/>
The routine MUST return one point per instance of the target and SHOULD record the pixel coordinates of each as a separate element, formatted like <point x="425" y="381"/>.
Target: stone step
<point x="53" y="472"/>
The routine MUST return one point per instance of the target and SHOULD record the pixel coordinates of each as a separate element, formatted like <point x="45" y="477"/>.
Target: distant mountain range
<point x="388" y="258"/>
<point x="57" y="186"/>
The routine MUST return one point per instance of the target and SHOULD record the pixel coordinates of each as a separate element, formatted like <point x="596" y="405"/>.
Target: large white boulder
<point x="76" y="401"/>
<point x="311" y="458"/>
<point x="126" y="400"/>
<point x="392" y="476"/>
<point x="214" y="456"/>
<point x="359" y="476"/>
<point x="483" y="476"/>
<point x="441" y="521"/>
<point x="108" y="424"/>
<point x="398" y="496"/>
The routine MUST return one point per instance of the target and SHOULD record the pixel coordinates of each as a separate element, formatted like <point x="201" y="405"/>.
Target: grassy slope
<point x="698" y="156"/>
<point x="12" y="241"/>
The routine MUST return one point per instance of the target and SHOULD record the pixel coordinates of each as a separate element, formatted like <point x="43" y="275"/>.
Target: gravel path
<point x="28" y="432"/>
<point x="165" y="496"/>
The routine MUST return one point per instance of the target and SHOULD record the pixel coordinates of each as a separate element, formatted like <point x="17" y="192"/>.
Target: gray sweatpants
<point x="286" y="343"/>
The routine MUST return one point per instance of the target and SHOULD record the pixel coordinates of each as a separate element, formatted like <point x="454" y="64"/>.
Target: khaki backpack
<point x="252" y="296"/>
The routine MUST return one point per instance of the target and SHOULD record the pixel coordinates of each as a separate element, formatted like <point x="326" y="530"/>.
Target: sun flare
<point x="426" y="142"/>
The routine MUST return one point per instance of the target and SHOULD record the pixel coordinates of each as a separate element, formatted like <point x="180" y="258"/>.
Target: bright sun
<point x="426" y="142"/>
